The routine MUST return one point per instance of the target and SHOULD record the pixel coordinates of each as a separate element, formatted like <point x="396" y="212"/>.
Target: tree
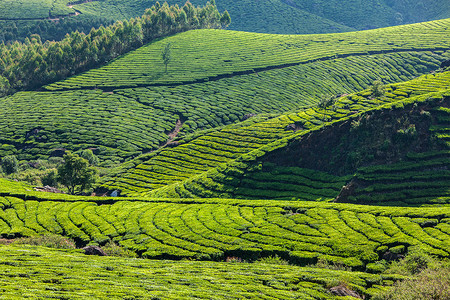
<point x="377" y="89"/>
<point x="10" y="164"/>
<point x="225" y="19"/>
<point x="4" y="86"/>
<point x="76" y="174"/>
<point x="166" y="54"/>
<point x="90" y="157"/>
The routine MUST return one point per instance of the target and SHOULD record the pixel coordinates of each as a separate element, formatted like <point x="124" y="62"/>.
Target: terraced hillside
<point x="321" y="178"/>
<point x="213" y="229"/>
<point x="423" y="179"/>
<point x="312" y="16"/>
<point x="94" y="276"/>
<point x="201" y="55"/>
<point x="131" y="120"/>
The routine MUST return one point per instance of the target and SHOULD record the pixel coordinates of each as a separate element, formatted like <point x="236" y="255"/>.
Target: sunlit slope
<point x="122" y="123"/>
<point x="213" y="229"/>
<point x="200" y="55"/>
<point x="195" y="155"/>
<point x="44" y="272"/>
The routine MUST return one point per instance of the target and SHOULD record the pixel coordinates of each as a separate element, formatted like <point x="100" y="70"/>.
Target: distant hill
<point x="53" y="20"/>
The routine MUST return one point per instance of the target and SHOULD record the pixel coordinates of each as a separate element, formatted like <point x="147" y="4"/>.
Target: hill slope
<point x="165" y="279"/>
<point x="418" y="179"/>
<point x="265" y="16"/>
<point x="339" y="153"/>
<point x="213" y="229"/>
<point x="99" y="110"/>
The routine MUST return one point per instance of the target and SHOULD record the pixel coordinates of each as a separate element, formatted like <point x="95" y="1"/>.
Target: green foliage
<point x="294" y="174"/>
<point x="272" y="260"/>
<point x="47" y="240"/>
<point x="127" y="122"/>
<point x="429" y="284"/>
<point x="343" y="235"/>
<point x="10" y="164"/>
<point x="225" y="19"/>
<point x="88" y="155"/>
<point x="50" y="178"/>
<point x="377" y="89"/>
<point x="4" y="86"/>
<point x="44" y="272"/>
<point x="76" y="174"/>
<point x="201" y="55"/>
<point x="33" y="63"/>
<point x="113" y="249"/>
<point x="166" y="54"/>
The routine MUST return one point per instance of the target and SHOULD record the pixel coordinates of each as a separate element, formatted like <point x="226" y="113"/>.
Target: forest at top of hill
<point x="53" y="19"/>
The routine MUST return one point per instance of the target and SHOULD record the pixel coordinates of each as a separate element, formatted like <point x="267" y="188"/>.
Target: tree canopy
<point x="76" y="174"/>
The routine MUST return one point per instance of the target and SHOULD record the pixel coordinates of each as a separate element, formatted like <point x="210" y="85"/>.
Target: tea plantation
<point x="200" y="55"/>
<point x="213" y="229"/>
<point x="276" y="170"/>
<point x="274" y="16"/>
<point x="27" y="272"/>
<point x="200" y="153"/>
<point x="247" y="166"/>
<point x="134" y="111"/>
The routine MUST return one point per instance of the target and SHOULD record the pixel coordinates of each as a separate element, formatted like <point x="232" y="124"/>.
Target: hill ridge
<point x="248" y="72"/>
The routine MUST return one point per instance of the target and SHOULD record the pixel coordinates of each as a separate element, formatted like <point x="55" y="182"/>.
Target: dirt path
<point x="173" y="134"/>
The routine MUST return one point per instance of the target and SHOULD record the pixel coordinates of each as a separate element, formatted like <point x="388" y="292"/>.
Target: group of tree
<point x="19" y="30"/>
<point x="32" y="64"/>
<point x="76" y="173"/>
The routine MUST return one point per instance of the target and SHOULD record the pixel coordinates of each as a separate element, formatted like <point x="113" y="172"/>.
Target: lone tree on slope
<point x="76" y="174"/>
<point x="166" y="54"/>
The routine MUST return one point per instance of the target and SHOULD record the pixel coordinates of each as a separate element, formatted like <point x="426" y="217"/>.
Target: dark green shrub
<point x="377" y="89"/>
<point x="90" y="157"/>
<point x="10" y="164"/>
<point x="50" y="178"/>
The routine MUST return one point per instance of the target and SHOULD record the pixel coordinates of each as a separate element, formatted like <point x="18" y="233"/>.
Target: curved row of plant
<point x="200" y="55"/>
<point x="199" y="153"/>
<point x="34" y="63"/>
<point x="282" y="162"/>
<point x="132" y="121"/>
<point x="300" y="232"/>
<point x="39" y="270"/>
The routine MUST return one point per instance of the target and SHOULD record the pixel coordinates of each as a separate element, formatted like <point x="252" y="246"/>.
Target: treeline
<point x="31" y="64"/>
<point x="18" y="30"/>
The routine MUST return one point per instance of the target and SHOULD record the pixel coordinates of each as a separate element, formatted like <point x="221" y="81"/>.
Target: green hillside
<point x="37" y="272"/>
<point x="267" y="76"/>
<point x="247" y="166"/>
<point x="201" y="55"/>
<point x="402" y="180"/>
<point x="20" y="19"/>
<point x="213" y="229"/>
<point x="198" y="154"/>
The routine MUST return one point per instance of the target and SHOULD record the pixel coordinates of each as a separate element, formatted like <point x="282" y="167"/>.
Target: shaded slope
<point x="277" y="170"/>
<point x="264" y="16"/>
